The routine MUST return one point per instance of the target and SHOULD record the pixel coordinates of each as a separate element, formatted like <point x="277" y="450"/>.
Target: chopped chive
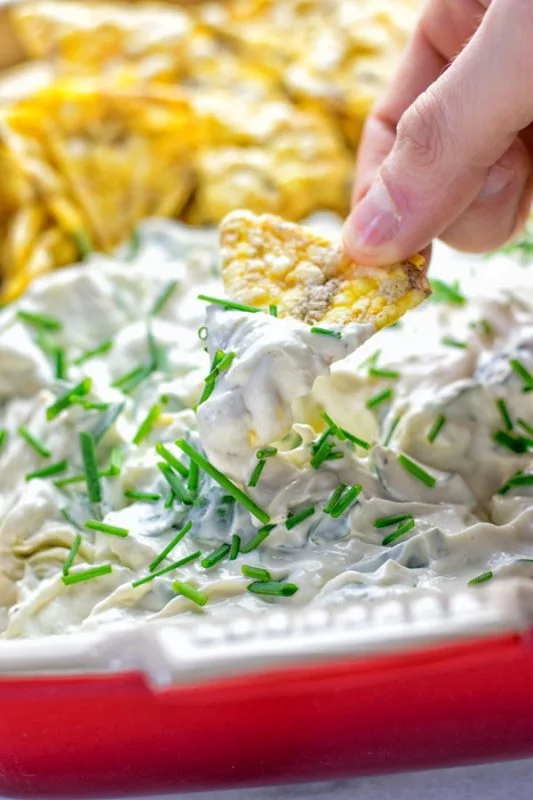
<point x="170" y="568"/>
<point x="443" y="292"/>
<point x="321" y="454"/>
<point x="107" y="421"/>
<point x="380" y="397"/>
<point x="190" y="593"/>
<point x="326" y="433"/>
<point x="371" y="360"/>
<point x="228" y="305"/>
<point x="334" y="456"/>
<point x="273" y="588"/>
<point x="60" y="364"/>
<point x="417" y="471"/>
<point x="344" y="502"/>
<point x="40" y="321"/>
<point x="224" y="481"/>
<point x="88" y="454"/>
<point x="376" y="372"/>
<point x="234" y="547"/>
<point x="104" y="527"/>
<point x="194" y="477"/>
<point x="170" y="499"/>
<point x="87" y="575"/>
<point x="343" y="434"/>
<point x="70" y="519"/>
<point x="266" y="452"/>
<point x="451" y="342"/>
<point x="208" y="390"/>
<point x="522" y="372"/>
<point x="485" y="576"/>
<point x="72" y="553"/>
<point x="334" y="498"/>
<point x="401" y="530"/>
<point x="175" y="483"/>
<point x="518" y="444"/>
<point x="170" y="546"/>
<point x="390" y="433"/>
<point x="172" y="460"/>
<point x="143" y="497"/>
<point x="90" y="405"/>
<point x="523" y="424"/>
<point x="115" y="464"/>
<point x="484" y="326"/>
<point x="212" y="559"/>
<point x="70" y="479"/>
<point x="132" y="379"/>
<point x="99" y="350"/>
<point x="394" y="519"/>
<point x="162" y="299"/>
<point x="300" y="516"/>
<point x="257" y="573"/>
<point x="145" y="428"/>
<point x="33" y="442"/>
<point x="83" y="243"/>
<point x="202" y="333"/>
<point x="505" y="415"/>
<point x="436" y="428"/>
<point x="69" y="398"/>
<point x="3" y="438"/>
<point x="520" y="480"/>
<point x="46" y="472"/>
<point x="273" y="310"/>
<point x="46" y="344"/>
<point x="134" y="245"/>
<point x="326" y="332"/>
<point x="256" y="474"/>
<point x="258" y="539"/>
<point x="225" y="362"/>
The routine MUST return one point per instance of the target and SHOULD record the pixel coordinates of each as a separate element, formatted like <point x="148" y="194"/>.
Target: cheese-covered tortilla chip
<point x="267" y="260"/>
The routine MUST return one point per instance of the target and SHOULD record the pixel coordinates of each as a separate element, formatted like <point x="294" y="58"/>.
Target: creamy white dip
<point x="461" y="366"/>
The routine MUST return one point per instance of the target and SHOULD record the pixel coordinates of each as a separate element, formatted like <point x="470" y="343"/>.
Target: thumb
<point x="446" y="145"/>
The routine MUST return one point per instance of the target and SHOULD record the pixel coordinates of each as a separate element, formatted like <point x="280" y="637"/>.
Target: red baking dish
<point x="292" y="696"/>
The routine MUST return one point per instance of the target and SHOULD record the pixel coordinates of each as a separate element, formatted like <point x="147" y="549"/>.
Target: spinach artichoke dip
<point x="164" y="454"/>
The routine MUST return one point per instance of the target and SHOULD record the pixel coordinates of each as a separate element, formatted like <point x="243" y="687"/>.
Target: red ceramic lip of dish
<point x="418" y="681"/>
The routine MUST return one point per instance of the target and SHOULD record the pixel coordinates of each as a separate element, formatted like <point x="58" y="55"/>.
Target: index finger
<point x="443" y="29"/>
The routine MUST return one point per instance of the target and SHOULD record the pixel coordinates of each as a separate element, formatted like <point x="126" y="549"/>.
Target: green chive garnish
<point x="401" y="530"/>
<point x="376" y="372"/>
<point x="60" y="364"/>
<point x="273" y="310"/>
<point x="334" y="498"/>
<point x="228" y="305"/>
<point x="273" y="588"/>
<point x="40" y="321"/>
<point x="87" y="575"/>
<point x="380" y="397"/>
<point x="46" y="472"/>
<point x="88" y="454"/>
<point x="300" y="516"/>
<point x="192" y="594"/>
<point x="517" y="444"/>
<point x="131" y="380"/>
<point x="436" y="428"/>
<point x="215" y="557"/>
<point x="521" y="422"/>
<point x="266" y="452"/>
<point x="371" y="360"/>
<point x="175" y="483"/>
<point x="3" y="438"/>
<point x="224" y="481"/>
<point x="170" y="499"/>
<point x="522" y="372"/>
<point x="33" y="442"/>
<point x="104" y="527"/>
<point x="72" y="553"/>
<point x="256" y="474"/>
<point x="145" y="428"/>
<point x="417" y="471"/>
<point x="83" y="243"/>
<point x="345" y="501"/>
<point x="202" y="333"/>
<point x="394" y="424"/>
<point x="321" y="454"/>
<point x="485" y="576"/>
<point x="99" y="350"/>
<point x="143" y="497"/>
<point x="172" y="460"/>
<point x="194" y="478"/>
<point x="170" y="546"/>
<point x="443" y="292"/>
<point x="385" y="522"/>
<point x="163" y="298"/>
<point x="69" y="398"/>
<point x="235" y="547"/>
<point x="258" y="539"/>
<point x="256" y="573"/>
<point x="70" y="519"/>
<point x="326" y="332"/>
<point x="451" y="342"/>
<point x="343" y="434"/>
<point x="504" y="414"/>
<point x="520" y="480"/>
<point x="170" y="568"/>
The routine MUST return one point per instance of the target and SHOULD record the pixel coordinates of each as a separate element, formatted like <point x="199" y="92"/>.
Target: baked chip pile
<point x="187" y="112"/>
<point x="267" y="260"/>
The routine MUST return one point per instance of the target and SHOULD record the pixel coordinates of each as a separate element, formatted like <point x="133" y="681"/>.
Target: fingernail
<point x="374" y="221"/>
<point x="497" y="180"/>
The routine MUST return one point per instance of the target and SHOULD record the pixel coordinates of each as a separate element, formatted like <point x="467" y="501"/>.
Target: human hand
<point x="449" y="151"/>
